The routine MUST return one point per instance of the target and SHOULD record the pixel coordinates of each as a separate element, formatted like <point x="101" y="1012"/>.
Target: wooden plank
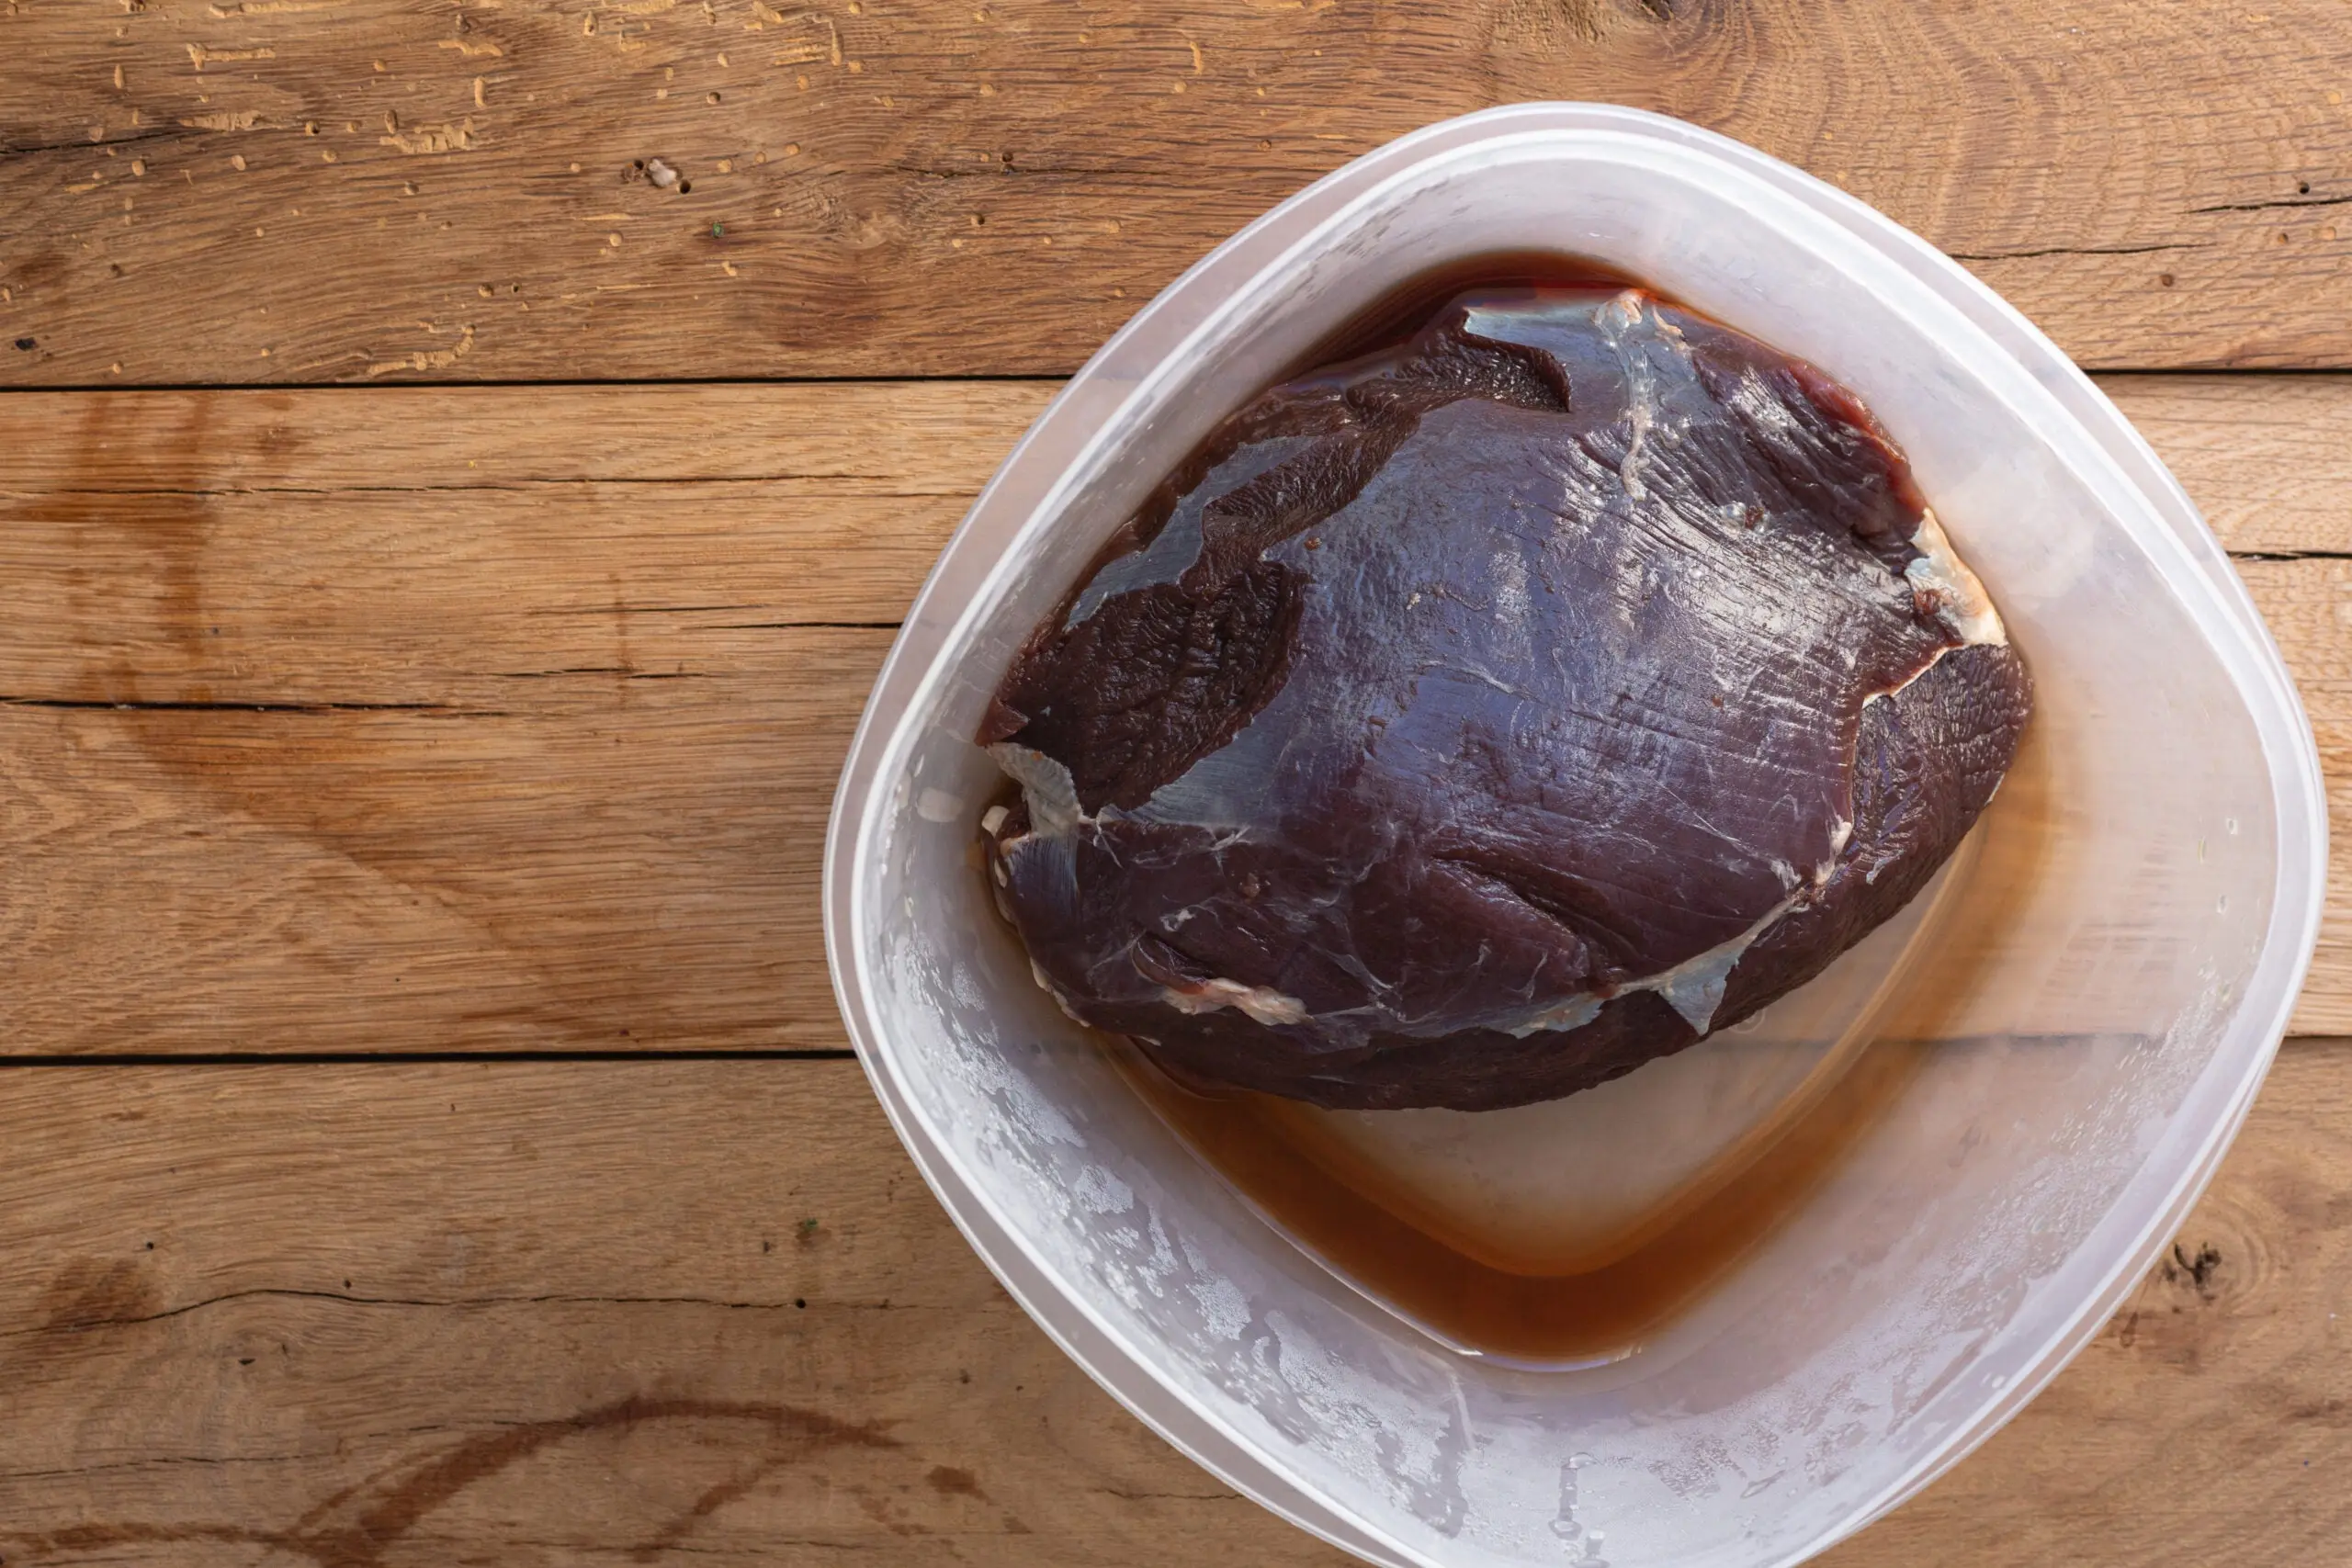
<point x="669" y="1312"/>
<point x="611" y="861"/>
<point x="355" y="189"/>
<point x="516" y="730"/>
<point x="2261" y="456"/>
<point x="558" y="690"/>
<point x="531" y="1315"/>
<point x="403" y="545"/>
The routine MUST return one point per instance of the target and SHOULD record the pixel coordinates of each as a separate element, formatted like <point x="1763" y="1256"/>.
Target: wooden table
<point x="462" y="467"/>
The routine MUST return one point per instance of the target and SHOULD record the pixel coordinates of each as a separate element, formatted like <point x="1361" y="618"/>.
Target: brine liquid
<point x="1274" y="1151"/>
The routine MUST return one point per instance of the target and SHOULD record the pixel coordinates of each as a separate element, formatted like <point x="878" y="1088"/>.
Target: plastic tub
<point x="2092" y="1027"/>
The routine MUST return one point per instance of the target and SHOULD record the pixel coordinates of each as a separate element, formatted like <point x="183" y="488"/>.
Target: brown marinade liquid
<point x="1255" y="1141"/>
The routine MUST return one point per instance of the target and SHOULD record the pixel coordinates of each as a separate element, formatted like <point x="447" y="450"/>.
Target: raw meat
<point x="1474" y="721"/>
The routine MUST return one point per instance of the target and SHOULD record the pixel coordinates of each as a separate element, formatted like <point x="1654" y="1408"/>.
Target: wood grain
<point x="542" y="755"/>
<point x="940" y="187"/>
<point x="2262" y="457"/>
<point x="364" y="1316"/>
<point x="331" y="722"/>
<point x="386" y="720"/>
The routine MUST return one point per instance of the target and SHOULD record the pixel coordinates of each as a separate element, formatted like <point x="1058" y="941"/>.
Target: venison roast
<point x="1475" y="720"/>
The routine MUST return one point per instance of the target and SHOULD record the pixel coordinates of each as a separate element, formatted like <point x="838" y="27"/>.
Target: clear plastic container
<point x="2094" y="1011"/>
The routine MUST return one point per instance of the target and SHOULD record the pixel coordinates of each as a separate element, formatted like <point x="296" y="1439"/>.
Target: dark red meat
<point x="1475" y="721"/>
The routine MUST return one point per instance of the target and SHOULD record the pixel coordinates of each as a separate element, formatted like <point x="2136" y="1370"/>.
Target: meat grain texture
<point x="1472" y="722"/>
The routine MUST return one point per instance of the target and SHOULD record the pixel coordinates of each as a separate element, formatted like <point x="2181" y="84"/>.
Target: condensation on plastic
<point x="2119" y="1005"/>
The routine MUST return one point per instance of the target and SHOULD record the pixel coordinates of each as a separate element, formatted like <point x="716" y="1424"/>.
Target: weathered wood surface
<point x="384" y="721"/>
<point x="552" y="693"/>
<point x="374" y="1316"/>
<point x="347" y="720"/>
<point x="310" y="191"/>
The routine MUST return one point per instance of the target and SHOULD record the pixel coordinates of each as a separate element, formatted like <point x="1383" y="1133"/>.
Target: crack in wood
<point x="2076" y="251"/>
<point x="102" y="704"/>
<point x="2284" y="201"/>
<point x="450" y="1304"/>
<point x="32" y="148"/>
<point x="524" y="486"/>
<point x="53" y="1062"/>
<point x="807" y="626"/>
<point x="359" y="1526"/>
<point x="623" y="670"/>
